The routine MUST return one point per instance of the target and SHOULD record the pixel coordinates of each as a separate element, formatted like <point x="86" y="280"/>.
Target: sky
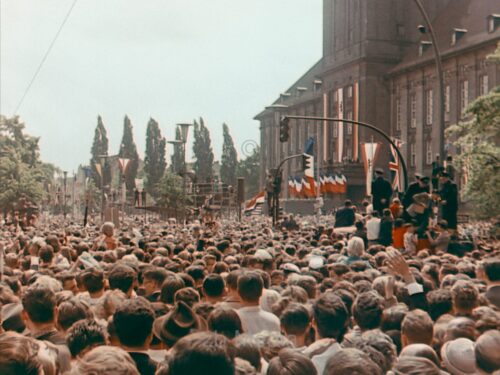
<point x="173" y="60"/>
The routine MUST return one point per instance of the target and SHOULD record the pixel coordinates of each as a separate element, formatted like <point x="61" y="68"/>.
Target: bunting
<point x="123" y="163"/>
<point x="369" y="152"/>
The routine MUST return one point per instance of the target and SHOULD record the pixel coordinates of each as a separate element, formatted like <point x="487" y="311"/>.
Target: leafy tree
<point x="170" y="194"/>
<point x="128" y="150"/>
<point x="229" y="159"/>
<point x="249" y="169"/>
<point x="23" y="176"/>
<point x="154" y="160"/>
<point x="479" y="156"/>
<point x="178" y="155"/>
<point x="99" y="149"/>
<point x="202" y="149"/>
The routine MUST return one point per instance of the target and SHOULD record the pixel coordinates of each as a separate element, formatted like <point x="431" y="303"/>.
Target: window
<point x="349" y="126"/>
<point x="429" y="107"/>
<point x="483" y="85"/>
<point x="413" y="111"/>
<point x="335" y="130"/>
<point x="349" y="91"/>
<point x="335" y="95"/>
<point x="398" y="114"/>
<point x="428" y="152"/>
<point x="413" y="155"/>
<point x="464" y="96"/>
<point x="447" y="99"/>
<point x="349" y="153"/>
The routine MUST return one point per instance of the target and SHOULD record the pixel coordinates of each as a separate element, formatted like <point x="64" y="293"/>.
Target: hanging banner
<point x="98" y="168"/>
<point x="355" y="128"/>
<point x="369" y="152"/>
<point x="340" y="115"/>
<point x="123" y="163"/>
<point x="325" y="127"/>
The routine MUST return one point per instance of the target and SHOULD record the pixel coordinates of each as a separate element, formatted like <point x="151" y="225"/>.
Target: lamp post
<point x="439" y="71"/>
<point x="65" y="174"/>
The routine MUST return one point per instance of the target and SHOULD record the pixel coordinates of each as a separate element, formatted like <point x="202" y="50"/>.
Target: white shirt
<point x="373" y="228"/>
<point x="255" y="320"/>
<point x="320" y="360"/>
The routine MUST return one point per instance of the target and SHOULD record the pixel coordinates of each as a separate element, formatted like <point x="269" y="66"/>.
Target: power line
<point x="45" y="57"/>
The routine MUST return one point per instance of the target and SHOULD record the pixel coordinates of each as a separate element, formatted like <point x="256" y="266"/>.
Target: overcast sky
<point x="173" y="60"/>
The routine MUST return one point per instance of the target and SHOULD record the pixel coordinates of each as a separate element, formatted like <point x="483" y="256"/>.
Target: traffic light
<point x="284" y="129"/>
<point x="306" y="161"/>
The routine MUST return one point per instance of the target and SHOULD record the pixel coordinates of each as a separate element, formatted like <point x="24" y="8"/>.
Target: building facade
<point x="378" y="68"/>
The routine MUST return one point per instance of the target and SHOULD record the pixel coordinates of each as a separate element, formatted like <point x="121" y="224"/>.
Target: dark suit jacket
<point x="144" y="363"/>
<point x="344" y="217"/>
<point x="381" y="189"/>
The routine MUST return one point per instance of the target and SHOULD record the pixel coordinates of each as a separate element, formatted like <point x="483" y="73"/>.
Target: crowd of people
<point x="390" y="296"/>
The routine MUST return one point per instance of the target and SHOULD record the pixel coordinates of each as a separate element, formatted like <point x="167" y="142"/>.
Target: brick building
<point x="377" y="67"/>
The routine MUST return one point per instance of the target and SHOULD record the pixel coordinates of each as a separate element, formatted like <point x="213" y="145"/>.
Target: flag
<point x="322" y="184"/>
<point x="98" y="169"/>
<point x="291" y="187"/>
<point x="309" y="172"/>
<point x="255" y="202"/>
<point x="298" y="187"/>
<point x="395" y="167"/>
<point x="355" y="128"/>
<point x="331" y="185"/>
<point x="340" y="115"/>
<point x="123" y="163"/>
<point x="369" y="151"/>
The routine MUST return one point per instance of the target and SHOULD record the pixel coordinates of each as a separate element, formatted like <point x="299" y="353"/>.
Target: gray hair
<point x="355" y="247"/>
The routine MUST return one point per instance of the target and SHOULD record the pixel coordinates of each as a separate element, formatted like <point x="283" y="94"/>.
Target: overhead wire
<point x="45" y="57"/>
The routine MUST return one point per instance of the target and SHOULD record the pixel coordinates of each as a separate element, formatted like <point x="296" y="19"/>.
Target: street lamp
<point x="65" y="174"/>
<point x="439" y="70"/>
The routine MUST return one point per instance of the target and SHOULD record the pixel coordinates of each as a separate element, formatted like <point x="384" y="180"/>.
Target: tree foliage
<point x="23" y="176"/>
<point x="229" y="159"/>
<point x="169" y="192"/>
<point x="249" y="169"/>
<point x="154" y="159"/>
<point x="177" y="158"/>
<point x="479" y="156"/>
<point x="202" y="150"/>
<point x="99" y="149"/>
<point x="128" y="150"/>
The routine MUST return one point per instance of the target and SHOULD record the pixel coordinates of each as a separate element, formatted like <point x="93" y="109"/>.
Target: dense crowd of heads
<point x="242" y="298"/>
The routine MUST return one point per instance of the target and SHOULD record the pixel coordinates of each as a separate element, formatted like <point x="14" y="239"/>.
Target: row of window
<point x="429" y="102"/>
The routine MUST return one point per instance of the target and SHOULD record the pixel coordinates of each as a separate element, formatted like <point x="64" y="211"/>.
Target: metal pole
<point x="366" y="125"/>
<point x="439" y="71"/>
<point x="65" y="192"/>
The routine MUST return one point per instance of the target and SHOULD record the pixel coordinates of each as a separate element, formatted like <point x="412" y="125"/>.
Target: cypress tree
<point x="229" y="158"/>
<point x="154" y="159"/>
<point x="128" y="150"/>
<point x="202" y="149"/>
<point x="177" y="158"/>
<point x="100" y="148"/>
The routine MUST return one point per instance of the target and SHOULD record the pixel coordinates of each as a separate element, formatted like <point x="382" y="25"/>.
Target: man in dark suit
<point x="381" y="191"/>
<point x="449" y="200"/>
<point x="134" y="327"/>
<point x="417" y="187"/>
<point x="345" y="217"/>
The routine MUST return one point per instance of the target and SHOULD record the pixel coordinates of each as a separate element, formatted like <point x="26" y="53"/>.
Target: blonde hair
<point x="355" y="247"/>
<point x="105" y="360"/>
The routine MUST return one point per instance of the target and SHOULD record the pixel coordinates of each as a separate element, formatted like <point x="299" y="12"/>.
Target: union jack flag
<point x="395" y="167"/>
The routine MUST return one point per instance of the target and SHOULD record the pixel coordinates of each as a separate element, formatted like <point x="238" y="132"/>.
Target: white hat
<point x="459" y="357"/>
<point x="316" y="262"/>
<point x="262" y="254"/>
<point x="290" y="267"/>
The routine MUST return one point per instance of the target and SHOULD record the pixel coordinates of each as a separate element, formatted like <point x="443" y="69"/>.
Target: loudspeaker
<point x="241" y="189"/>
